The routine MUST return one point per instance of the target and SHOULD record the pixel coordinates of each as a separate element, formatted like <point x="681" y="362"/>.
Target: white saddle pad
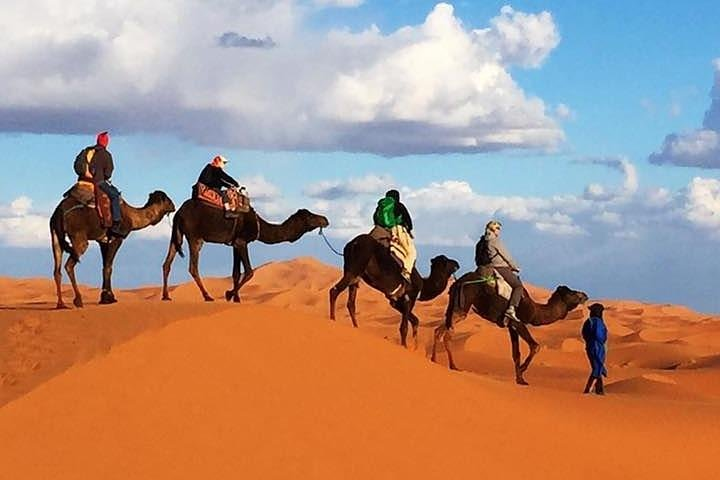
<point x="503" y="288"/>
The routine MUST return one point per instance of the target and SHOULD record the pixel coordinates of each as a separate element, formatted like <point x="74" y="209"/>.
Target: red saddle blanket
<point x="237" y="202"/>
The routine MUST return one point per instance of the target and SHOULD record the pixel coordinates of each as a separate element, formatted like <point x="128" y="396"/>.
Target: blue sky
<point x="339" y="100"/>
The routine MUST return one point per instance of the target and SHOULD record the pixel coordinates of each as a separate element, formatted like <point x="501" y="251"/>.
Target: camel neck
<point x="142" y="217"/>
<point x="550" y="312"/>
<point x="433" y="285"/>
<point x="288" y="231"/>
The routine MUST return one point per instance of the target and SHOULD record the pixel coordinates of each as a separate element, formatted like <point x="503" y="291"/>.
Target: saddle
<point x="238" y="203"/>
<point x="89" y="195"/>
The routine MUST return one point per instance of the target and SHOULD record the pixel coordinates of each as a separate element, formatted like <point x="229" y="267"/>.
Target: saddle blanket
<point x="238" y="203"/>
<point x="91" y="196"/>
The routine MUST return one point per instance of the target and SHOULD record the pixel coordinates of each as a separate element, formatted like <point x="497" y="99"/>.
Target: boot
<point x="510" y="315"/>
<point x="116" y="230"/>
<point x="599" y="390"/>
<point x="589" y="383"/>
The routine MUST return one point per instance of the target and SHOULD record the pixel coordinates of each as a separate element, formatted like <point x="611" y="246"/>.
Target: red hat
<point x="103" y="139"/>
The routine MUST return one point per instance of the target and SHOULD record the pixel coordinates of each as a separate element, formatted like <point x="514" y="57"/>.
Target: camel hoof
<point x="166" y="298"/>
<point x="62" y="306"/>
<point x="78" y="302"/>
<point x="107" y="298"/>
<point x="455" y="368"/>
<point x="521" y="381"/>
<point x="228" y="295"/>
<point x="236" y="299"/>
<point x="209" y="299"/>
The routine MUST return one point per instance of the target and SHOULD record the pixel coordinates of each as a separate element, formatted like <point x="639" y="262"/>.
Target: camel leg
<point x="167" y="266"/>
<point x="447" y="337"/>
<point x="80" y="246"/>
<point x="414" y="322"/>
<point x="57" y="270"/>
<point x="352" y="297"/>
<point x="347" y="280"/>
<point x="108" y="251"/>
<point x="515" y="341"/>
<point x="439" y="331"/>
<point x="241" y="257"/>
<point x="534" y="346"/>
<point x="195" y="247"/>
<point x="404" y="305"/>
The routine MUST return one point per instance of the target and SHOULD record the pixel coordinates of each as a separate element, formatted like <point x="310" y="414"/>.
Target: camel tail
<point x="57" y="230"/>
<point x="177" y="236"/>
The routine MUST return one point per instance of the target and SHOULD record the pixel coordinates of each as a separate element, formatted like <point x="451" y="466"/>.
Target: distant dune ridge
<point x="272" y="388"/>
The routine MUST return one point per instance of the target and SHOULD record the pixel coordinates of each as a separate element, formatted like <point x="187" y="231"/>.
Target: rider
<point x="490" y="251"/>
<point x="101" y="168"/>
<point x="213" y="176"/>
<point x="392" y="217"/>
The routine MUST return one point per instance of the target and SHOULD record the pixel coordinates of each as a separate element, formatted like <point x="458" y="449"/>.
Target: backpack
<point x="385" y="213"/>
<point x="482" y="252"/>
<point x="83" y="162"/>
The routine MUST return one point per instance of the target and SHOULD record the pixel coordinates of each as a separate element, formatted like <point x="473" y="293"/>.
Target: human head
<point x="103" y="138"/>
<point x="219" y="161"/>
<point x="394" y="194"/>
<point x="596" y="309"/>
<point x="493" y="226"/>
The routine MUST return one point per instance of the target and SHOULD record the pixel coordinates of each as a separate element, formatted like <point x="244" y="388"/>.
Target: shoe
<point x="510" y="315"/>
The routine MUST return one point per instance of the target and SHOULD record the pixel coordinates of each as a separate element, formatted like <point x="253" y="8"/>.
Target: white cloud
<point x="608" y="218"/>
<point x="703" y="203"/>
<point x="630" y="179"/>
<point x="521" y="38"/>
<point x="700" y="147"/>
<point x="131" y="67"/>
<point x="20" y="227"/>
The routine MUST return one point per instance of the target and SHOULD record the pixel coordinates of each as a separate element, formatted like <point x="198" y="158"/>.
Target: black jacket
<point x="101" y="165"/>
<point x="215" y="177"/>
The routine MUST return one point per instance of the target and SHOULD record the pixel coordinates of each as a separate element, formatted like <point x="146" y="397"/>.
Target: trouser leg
<point x="514" y="282"/>
<point x="114" y="195"/>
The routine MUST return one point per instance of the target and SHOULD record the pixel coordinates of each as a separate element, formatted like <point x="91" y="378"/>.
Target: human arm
<point x="498" y="248"/>
<point x="227" y="180"/>
<point x="600" y="331"/>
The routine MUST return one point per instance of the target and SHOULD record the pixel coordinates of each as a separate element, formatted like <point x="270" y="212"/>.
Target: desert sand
<point x="271" y="388"/>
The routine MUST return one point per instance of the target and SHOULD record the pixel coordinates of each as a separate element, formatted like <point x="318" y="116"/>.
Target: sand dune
<point x="272" y="389"/>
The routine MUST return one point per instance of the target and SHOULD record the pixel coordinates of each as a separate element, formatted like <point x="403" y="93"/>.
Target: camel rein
<point x="327" y="242"/>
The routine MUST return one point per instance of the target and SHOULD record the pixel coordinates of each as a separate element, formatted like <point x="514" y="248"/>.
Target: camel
<point x="366" y="258"/>
<point x="81" y="224"/>
<point x="201" y="223"/>
<point x="473" y="290"/>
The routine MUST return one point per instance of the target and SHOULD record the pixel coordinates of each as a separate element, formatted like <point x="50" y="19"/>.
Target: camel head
<point x="441" y="269"/>
<point x="446" y="266"/>
<point x="310" y="220"/>
<point x="160" y="199"/>
<point x="569" y="297"/>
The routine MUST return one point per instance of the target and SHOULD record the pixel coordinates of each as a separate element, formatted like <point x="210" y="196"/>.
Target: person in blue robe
<point x="594" y="333"/>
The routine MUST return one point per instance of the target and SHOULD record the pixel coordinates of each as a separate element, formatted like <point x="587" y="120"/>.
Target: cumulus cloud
<point x="697" y="148"/>
<point x="703" y="203"/>
<point x="521" y="38"/>
<point x="235" y="40"/>
<point x="433" y="87"/>
<point x="20" y="227"/>
<point x="334" y="189"/>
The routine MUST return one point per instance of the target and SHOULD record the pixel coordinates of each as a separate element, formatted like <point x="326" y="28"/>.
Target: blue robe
<point x="594" y="333"/>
